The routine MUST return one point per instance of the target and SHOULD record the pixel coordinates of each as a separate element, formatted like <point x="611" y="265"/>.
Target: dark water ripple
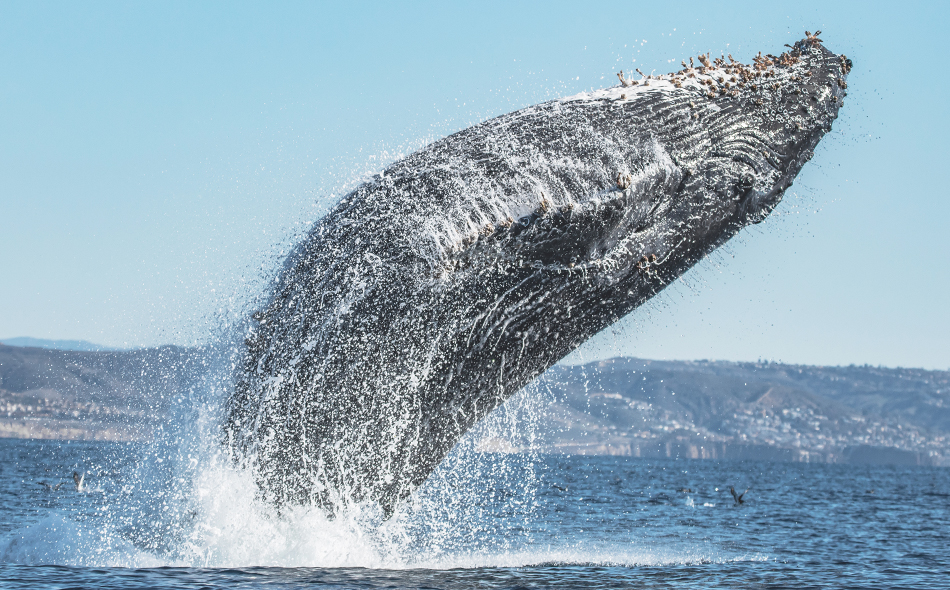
<point x="595" y="522"/>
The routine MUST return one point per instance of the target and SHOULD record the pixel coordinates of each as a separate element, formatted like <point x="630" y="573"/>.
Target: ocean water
<point x="482" y="521"/>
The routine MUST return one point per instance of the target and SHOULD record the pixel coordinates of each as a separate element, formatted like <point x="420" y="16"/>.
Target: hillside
<point x="108" y="395"/>
<point x="698" y="409"/>
<point x="749" y="410"/>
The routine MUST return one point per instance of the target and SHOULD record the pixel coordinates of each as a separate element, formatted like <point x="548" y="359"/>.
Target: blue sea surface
<point x="526" y="522"/>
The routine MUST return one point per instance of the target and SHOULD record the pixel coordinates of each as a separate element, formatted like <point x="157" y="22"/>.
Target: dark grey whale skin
<point x="442" y="286"/>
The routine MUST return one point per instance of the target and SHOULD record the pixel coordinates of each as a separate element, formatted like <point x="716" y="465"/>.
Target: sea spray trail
<point x="438" y="289"/>
<point x="175" y="502"/>
<point x="234" y="529"/>
<point x="180" y="502"/>
<point x="607" y="521"/>
<point x="451" y="520"/>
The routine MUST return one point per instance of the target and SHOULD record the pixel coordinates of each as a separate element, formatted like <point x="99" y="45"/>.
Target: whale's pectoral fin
<point x="581" y="233"/>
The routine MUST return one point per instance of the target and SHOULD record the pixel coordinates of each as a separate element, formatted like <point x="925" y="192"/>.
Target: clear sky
<point x="156" y="160"/>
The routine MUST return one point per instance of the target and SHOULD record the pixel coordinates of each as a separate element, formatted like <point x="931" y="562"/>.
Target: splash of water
<point x="183" y="503"/>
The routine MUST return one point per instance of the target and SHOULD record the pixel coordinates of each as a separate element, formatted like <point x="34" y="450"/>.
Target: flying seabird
<point x="737" y="497"/>
<point x="48" y="487"/>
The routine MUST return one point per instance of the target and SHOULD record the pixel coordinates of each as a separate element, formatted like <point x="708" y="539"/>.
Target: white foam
<point x="228" y="526"/>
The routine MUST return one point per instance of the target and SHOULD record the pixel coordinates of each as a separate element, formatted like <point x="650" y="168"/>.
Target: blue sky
<point x="157" y="160"/>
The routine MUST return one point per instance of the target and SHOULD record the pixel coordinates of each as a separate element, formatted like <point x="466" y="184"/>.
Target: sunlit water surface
<point x="483" y="521"/>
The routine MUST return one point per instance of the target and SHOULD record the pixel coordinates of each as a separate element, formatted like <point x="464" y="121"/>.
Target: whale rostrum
<point x="441" y="286"/>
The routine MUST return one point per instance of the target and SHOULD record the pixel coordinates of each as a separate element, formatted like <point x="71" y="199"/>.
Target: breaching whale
<point x="441" y="286"/>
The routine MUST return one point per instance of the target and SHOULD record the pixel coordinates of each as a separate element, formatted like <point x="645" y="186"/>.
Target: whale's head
<point x="794" y="99"/>
<point x="697" y="155"/>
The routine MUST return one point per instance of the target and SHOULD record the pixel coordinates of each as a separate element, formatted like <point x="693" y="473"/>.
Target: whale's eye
<point x="746" y="182"/>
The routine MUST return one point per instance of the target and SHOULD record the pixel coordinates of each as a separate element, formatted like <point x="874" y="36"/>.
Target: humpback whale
<point x="444" y="284"/>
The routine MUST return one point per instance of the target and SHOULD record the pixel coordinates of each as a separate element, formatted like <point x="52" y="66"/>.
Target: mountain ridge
<point x="624" y="405"/>
<point x="69" y="345"/>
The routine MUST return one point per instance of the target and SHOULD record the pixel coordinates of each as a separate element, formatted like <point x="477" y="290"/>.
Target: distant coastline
<point x="70" y="345"/>
<point x="623" y="406"/>
<point x="39" y="428"/>
<point x="90" y="395"/>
